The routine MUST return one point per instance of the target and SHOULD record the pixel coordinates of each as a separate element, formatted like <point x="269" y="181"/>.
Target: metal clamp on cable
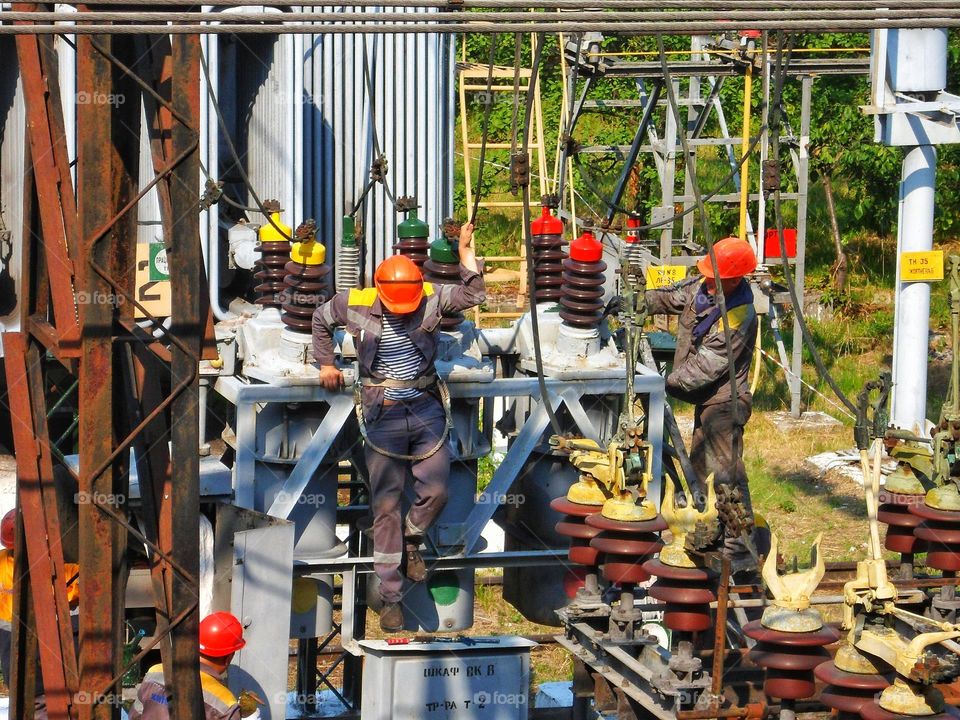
<point x="419" y="384"/>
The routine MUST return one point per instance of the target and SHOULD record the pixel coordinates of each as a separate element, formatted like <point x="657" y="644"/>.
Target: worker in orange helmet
<point x="8" y="528"/>
<point x="221" y="636"/>
<point x="700" y="373"/>
<point x="395" y="328"/>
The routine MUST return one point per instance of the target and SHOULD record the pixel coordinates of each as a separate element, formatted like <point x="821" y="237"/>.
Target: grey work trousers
<point x="717" y="447"/>
<point x="407" y="428"/>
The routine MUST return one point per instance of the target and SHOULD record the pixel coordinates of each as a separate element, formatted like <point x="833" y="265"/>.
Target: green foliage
<point x="865" y="174"/>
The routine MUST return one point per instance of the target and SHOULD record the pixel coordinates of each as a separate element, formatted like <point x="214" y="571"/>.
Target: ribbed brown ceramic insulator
<point x="574" y="526"/>
<point x="441" y="273"/>
<point x="941" y="531"/>
<point x="270" y="272"/>
<point x="305" y="288"/>
<point x="687" y="592"/>
<point x="789" y="658"/>
<point x="581" y="298"/>
<point x="848" y="692"/>
<point x="894" y="510"/>
<point x="548" y="257"/>
<point x="626" y="546"/>
<point x="415" y="248"/>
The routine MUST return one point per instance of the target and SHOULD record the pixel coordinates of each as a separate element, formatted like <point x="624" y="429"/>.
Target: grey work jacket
<point x="699" y="374"/>
<point x="361" y="312"/>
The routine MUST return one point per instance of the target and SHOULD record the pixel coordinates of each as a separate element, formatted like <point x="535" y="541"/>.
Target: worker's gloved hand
<point x="331" y="378"/>
<point x="249" y="703"/>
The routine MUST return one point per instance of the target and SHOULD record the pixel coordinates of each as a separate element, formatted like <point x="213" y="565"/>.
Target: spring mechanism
<point x="632" y="245"/>
<point x="348" y="257"/>
<point x="548" y="255"/>
<point x="582" y="289"/>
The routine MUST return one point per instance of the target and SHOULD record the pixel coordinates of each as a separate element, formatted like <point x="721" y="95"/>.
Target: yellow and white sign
<point x="926" y="266"/>
<point x="662" y="275"/>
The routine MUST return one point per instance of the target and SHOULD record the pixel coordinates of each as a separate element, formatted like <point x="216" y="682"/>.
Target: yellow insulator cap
<point x="269" y="233"/>
<point x="310" y="252"/>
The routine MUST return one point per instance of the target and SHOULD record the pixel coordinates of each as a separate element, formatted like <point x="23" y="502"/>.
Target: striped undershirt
<point x="397" y="358"/>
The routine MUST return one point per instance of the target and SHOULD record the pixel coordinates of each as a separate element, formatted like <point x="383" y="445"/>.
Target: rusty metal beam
<point x="51" y="169"/>
<point x="179" y="518"/>
<point x="23" y="681"/>
<point x="38" y="504"/>
<point x="108" y="155"/>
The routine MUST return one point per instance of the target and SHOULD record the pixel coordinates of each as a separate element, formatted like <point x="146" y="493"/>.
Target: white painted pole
<point x="912" y="309"/>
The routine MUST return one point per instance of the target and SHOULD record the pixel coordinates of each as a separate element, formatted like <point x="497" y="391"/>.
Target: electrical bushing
<point x="894" y="510"/>
<point x="581" y="298"/>
<point x="443" y="268"/>
<point x="274" y="254"/>
<point x="789" y="658"/>
<point x="941" y="530"/>
<point x="412" y="234"/>
<point x="307" y="281"/>
<point x="687" y="591"/>
<point x="852" y="680"/>
<point x="546" y="232"/>
<point x="626" y="545"/>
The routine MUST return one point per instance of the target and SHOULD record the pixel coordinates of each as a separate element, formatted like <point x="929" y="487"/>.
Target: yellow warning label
<point x="921" y="266"/>
<point x="662" y="275"/>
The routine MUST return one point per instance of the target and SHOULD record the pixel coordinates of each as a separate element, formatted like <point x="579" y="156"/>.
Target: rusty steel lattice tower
<point x="78" y="311"/>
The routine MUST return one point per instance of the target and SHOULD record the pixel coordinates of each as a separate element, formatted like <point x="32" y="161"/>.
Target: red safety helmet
<point x="220" y="635"/>
<point x="735" y="258"/>
<point x="399" y="284"/>
<point x="8" y="527"/>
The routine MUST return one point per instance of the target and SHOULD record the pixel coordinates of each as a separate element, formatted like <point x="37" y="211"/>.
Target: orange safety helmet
<point x="399" y="284"/>
<point x="8" y="527"/>
<point x="220" y="635"/>
<point x="735" y="258"/>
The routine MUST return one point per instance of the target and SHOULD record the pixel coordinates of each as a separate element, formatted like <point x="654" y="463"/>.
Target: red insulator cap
<point x="546" y="224"/>
<point x="586" y="248"/>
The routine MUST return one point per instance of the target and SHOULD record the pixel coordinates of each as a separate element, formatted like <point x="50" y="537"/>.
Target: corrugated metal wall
<point x="300" y="112"/>
<point x="12" y="172"/>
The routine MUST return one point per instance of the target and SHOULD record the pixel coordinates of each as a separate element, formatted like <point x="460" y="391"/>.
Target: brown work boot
<point x="414" y="567"/>
<point x="391" y="617"/>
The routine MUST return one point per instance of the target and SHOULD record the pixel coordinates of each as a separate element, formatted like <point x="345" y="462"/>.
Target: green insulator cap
<point x="349" y="232"/>
<point x="412" y="227"/>
<point x="442" y="251"/>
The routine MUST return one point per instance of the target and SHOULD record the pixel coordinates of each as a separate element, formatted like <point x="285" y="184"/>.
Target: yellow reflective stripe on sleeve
<point x="428" y="289"/>
<point x="365" y="297"/>
<point x="213" y="689"/>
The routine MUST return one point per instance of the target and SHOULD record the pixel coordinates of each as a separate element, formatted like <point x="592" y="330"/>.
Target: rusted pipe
<point x="752" y="711"/>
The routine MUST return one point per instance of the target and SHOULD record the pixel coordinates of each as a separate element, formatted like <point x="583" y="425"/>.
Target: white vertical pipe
<point x="912" y="310"/>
